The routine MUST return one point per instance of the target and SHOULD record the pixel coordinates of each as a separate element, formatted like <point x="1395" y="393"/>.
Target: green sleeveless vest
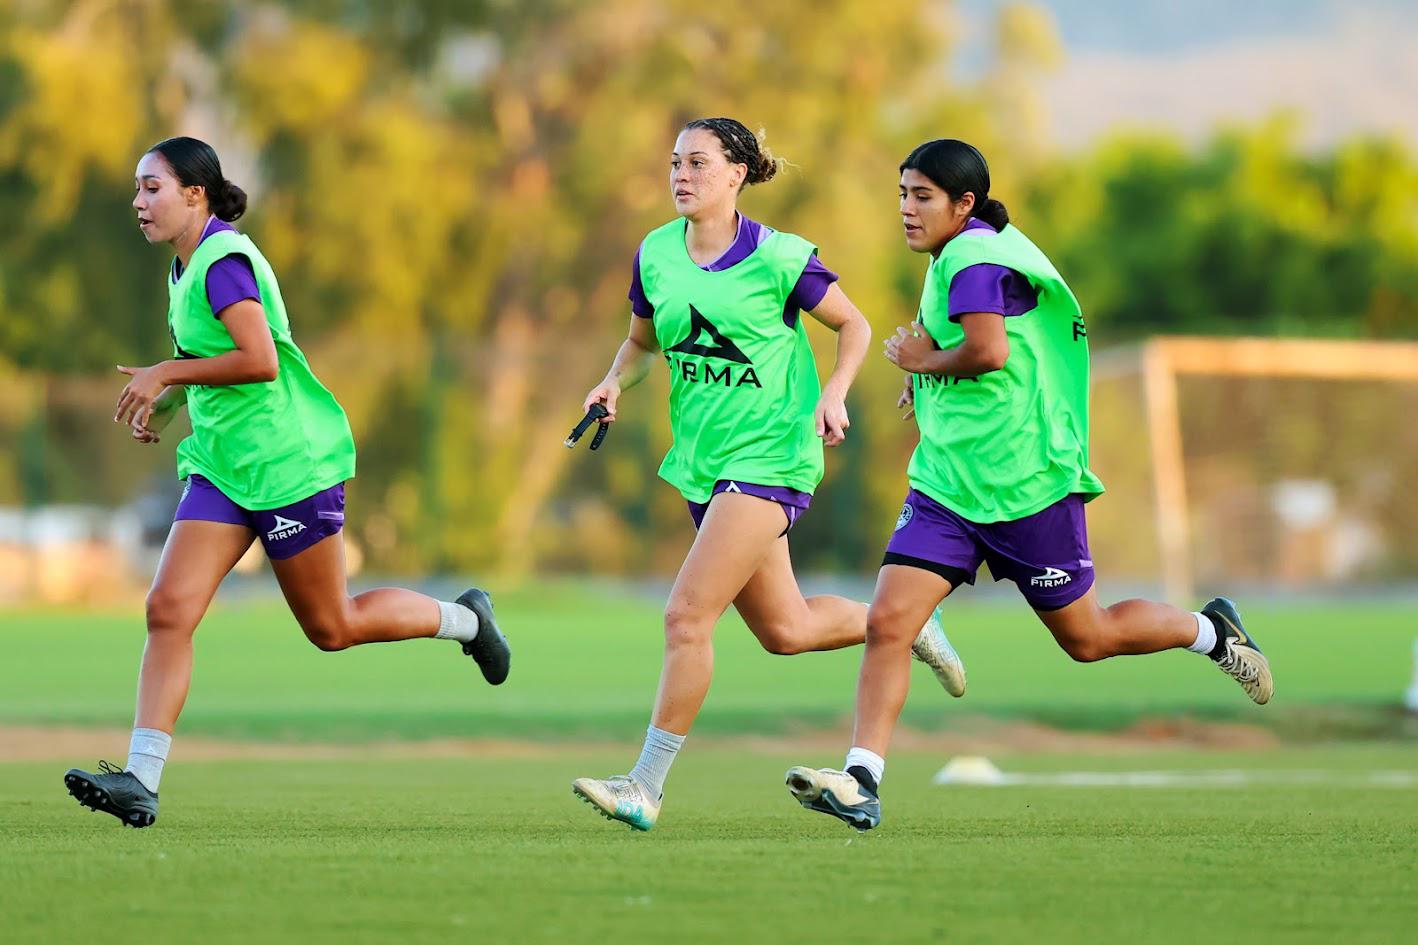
<point x="1012" y="442"/>
<point x="264" y="445"/>
<point x="743" y="385"/>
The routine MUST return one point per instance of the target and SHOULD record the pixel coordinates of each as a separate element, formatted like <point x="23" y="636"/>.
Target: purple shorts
<point x="285" y="532"/>
<point x="791" y="501"/>
<point x="1045" y="554"/>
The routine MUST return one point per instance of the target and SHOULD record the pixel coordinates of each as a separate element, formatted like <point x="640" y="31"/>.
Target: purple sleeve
<point x="812" y="285"/>
<point x="230" y="280"/>
<point x="986" y="287"/>
<point x="639" y="304"/>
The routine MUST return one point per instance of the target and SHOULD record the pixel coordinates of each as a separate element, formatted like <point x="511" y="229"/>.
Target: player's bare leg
<point x="1089" y="632"/>
<point x="905" y="597"/>
<point x="736" y="535"/>
<point x="315" y="587"/>
<point x="195" y="559"/>
<point x="785" y="622"/>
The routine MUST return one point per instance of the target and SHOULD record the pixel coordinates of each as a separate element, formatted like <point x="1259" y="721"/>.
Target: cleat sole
<point x="97" y="800"/>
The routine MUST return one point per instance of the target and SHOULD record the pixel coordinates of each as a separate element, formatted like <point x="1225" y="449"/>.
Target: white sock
<point x="1205" y="634"/>
<point x="456" y="622"/>
<point x="147" y="751"/>
<point x="865" y="758"/>
<point x="655" y="760"/>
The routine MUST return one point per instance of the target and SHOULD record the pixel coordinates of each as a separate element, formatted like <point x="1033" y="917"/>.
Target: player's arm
<point x="985" y="348"/>
<point x="837" y="312"/>
<point x="632" y="362"/>
<point x="252" y="360"/>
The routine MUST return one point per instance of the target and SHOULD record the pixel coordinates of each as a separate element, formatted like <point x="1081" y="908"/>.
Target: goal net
<point x="1240" y="462"/>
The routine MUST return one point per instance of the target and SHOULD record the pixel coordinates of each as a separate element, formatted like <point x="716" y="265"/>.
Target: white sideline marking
<point x="1224" y="778"/>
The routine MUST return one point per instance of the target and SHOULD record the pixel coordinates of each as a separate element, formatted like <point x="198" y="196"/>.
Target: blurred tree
<point x="452" y="193"/>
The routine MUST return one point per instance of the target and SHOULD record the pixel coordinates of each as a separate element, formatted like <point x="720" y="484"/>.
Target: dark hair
<point x="196" y="164"/>
<point x="742" y="146"/>
<point x="959" y="168"/>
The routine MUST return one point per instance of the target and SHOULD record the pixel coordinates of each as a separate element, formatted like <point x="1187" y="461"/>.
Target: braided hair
<point x="742" y="146"/>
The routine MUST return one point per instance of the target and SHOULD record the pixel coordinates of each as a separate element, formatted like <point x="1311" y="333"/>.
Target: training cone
<point x="969" y="769"/>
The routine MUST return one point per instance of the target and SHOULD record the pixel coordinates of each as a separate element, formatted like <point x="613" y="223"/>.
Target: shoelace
<point x="1240" y="671"/>
<point x="624" y="786"/>
<point x="105" y="768"/>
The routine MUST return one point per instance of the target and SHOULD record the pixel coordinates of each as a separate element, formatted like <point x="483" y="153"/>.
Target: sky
<point x="1349" y="67"/>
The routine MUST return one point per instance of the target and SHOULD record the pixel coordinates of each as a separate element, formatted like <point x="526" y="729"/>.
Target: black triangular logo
<point x="718" y="347"/>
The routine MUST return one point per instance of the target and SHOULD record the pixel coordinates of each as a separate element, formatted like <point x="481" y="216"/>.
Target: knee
<point x="329" y="634"/>
<point x="781" y="638"/>
<point x="1085" y="649"/>
<point x="685" y="626"/>
<point x="168" y="612"/>
<point x="889" y="624"/>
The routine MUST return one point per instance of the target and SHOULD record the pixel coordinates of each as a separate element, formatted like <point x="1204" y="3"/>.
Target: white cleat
<point x="837" y="793"/>
<point x="932" y="648"/>
<point x="619" y="798"/>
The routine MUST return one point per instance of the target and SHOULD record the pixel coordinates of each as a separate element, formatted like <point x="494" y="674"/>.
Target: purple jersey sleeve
<point x="639" y="304"/>
<point x="986" y="287"/>
<point x="812" y="285"/>
<point x="231" y="279"/>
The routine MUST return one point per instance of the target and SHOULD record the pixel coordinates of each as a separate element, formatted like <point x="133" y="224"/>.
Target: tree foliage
<point x="452" y="193"/>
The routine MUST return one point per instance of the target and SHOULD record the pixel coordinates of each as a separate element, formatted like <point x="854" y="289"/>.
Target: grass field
<point x="1314" y="842"/>
<point x="498" y="850"/>
<point x="586" y="663"/>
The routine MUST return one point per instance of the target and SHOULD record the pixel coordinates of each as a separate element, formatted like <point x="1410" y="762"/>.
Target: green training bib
<point x="743" y="384"/>
<point x="1010" y="443"/>
<point x="266" y="444"/>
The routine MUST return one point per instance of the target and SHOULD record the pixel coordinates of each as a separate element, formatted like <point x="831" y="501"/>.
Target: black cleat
<point x="1236" y="654"/>
<point x="489" y="648"/>
<point x="114" y="791"/>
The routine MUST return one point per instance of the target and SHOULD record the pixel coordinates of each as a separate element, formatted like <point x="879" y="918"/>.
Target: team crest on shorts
<point x="904" y="519"/>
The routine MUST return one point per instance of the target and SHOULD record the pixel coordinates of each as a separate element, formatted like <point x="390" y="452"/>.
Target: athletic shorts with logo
<point x="1046" y="554"/>
<point x="284" y="532"/>
<point x="792" y="501"/>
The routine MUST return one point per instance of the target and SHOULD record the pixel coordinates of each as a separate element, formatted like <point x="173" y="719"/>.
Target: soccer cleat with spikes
<point x="932" y="648"/>
<point x="1236" y="653"/>
<point x="619" y="798"/>
<point x="489" y="648"/>
<point x="114" y="791"/>
<point x="837" y="793"/>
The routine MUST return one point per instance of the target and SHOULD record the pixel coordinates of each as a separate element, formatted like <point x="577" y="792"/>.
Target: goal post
<point x="1162" y="361"/>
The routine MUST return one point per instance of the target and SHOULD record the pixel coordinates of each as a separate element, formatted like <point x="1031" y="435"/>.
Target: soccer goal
<point x="1256" y="461"/>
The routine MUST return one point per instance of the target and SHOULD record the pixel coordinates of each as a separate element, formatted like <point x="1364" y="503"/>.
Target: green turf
<point x="495" y="850"/>
<point x="586" y="662"/>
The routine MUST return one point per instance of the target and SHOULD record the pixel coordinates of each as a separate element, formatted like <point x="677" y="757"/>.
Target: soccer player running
<point x="268" y="456"/>
<point x="720" y="295"/>
<point x="997" y="371"/>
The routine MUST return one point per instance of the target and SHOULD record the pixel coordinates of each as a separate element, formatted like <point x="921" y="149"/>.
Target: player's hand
<point x="910" y="349"/>
<point x="607" y="393"/>
<point x="135" y="404"/>
<point x="164" y="409"/>
<point x="145" y="435"/>
<point x="831" y="418"/>
<point x="907" y="399"/>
